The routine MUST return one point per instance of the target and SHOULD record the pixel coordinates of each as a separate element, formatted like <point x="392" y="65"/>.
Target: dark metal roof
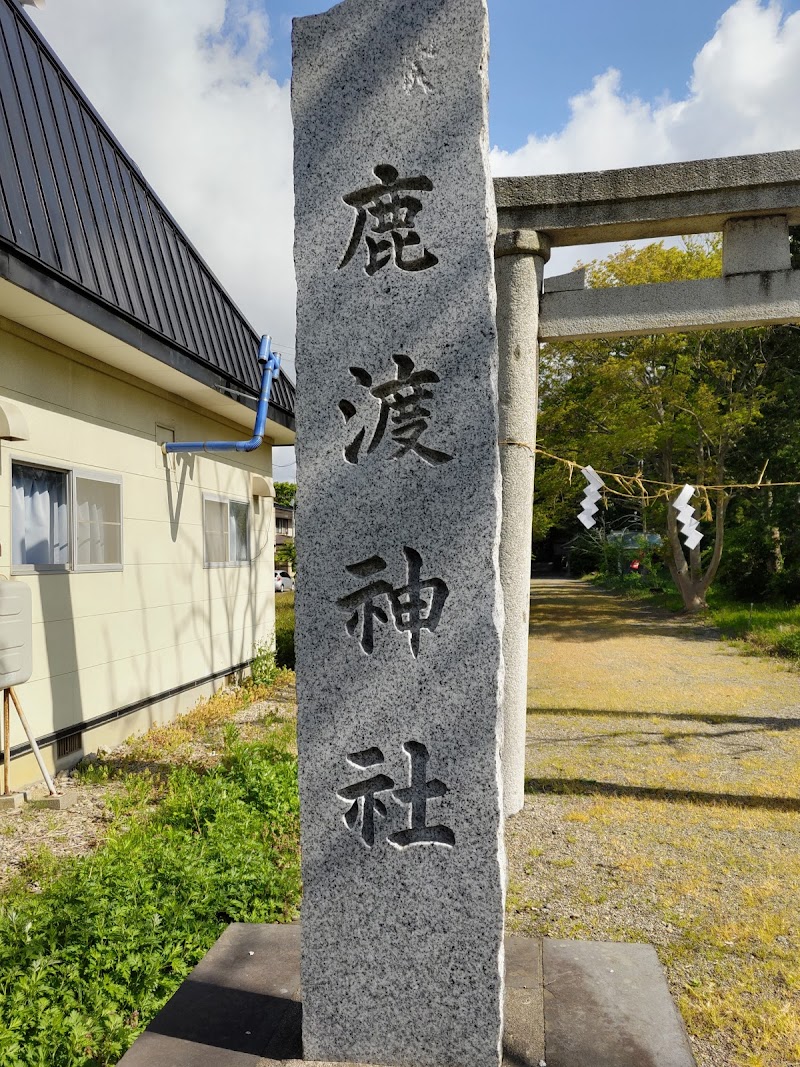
<point x="80" y="226"/>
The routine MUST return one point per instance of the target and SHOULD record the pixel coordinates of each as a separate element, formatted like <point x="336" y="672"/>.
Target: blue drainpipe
<point x="270" y="363"/>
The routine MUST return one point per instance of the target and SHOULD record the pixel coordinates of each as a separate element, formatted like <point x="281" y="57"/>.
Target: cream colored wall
<point x="102" y="640"/>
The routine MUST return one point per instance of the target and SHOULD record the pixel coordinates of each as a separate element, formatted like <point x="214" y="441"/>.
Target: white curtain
<point x="91" y="531"/>
<point x="39" y="517"/>
<point x="238" y="533"/>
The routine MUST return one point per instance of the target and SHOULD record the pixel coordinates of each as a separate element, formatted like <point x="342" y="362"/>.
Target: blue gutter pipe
<point x="270" y="363"/>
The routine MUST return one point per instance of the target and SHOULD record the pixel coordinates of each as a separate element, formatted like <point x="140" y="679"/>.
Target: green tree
<point x="285" y="494"/>
<point x="762" y="553"/>
<point x="286" y="554"/>
<point x="672" y="408"/>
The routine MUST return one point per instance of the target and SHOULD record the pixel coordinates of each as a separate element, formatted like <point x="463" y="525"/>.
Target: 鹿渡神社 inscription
<point x="403" y="398"/>
<point x="389" y="212"/>
<point x="366" y="802"/>
<point x="398" y="611"/>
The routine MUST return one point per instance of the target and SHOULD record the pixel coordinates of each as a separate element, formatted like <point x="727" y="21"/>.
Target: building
<point x="151" y="576"/>
<point x="284" y="528"/>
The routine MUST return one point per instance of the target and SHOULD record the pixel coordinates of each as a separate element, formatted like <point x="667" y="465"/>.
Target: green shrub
<point x="86" y="962"/>
<point x="787" y="644"/>
<point x="585" y="554"/>
<point x="263" y="667"/>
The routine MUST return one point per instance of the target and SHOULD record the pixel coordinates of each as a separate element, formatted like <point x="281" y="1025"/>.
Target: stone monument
<point x="399" y="612"/>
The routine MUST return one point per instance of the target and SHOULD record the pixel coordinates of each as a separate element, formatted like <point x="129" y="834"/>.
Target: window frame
<point x="71" y="474"/>
<point x="108" y="479"/>
<point x="219" y="498"/>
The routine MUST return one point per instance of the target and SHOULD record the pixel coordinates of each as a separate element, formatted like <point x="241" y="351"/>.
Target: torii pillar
<point x="520" y="256"/>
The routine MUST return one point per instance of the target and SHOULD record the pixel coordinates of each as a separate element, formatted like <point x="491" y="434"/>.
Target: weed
<point x="87" y="960"/>
<point x="263" y="667"/>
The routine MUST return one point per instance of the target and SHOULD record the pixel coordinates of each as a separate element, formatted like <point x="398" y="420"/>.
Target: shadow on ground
<point x="769" y="722"/>
<point x="572" y="611"/>
<point x="590" y="787"/>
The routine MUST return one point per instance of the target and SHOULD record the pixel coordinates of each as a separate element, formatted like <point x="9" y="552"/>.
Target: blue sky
<point x="198" y="93"/>
<point x="543" y="52"/>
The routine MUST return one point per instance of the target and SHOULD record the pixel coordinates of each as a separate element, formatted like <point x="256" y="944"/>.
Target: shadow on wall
<point x="55" y="594"/>
<point x="175" y="493"/>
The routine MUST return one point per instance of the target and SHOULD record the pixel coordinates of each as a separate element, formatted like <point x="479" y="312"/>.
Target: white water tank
<point x="16" y="634"/>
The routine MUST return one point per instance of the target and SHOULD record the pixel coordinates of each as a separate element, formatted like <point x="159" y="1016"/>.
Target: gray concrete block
<point x="399" y="610"/>
<point x="523" y="1018"/>
<point x="241" y="1002"/>
<point x="59" y="802"/>
<point x="608" y="1005"/>
<point x="753" y="245"/>
<point x="10" y="801"/>
<point x="603" y="1005"/>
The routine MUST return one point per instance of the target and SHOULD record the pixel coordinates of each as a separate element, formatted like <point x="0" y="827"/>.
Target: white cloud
<point x="183" y="88"/>
<point x="742" y="98"/>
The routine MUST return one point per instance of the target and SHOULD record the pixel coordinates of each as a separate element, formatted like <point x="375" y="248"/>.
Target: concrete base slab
<point x="523" y="1018"/>
<point x="59" y="802"/>
<point x="568" y="1004"/>
<point x="9" y="801"/>
<point x="608" y="1005"/>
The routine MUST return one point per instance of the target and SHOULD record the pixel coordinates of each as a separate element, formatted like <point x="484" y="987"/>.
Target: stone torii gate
<point x="751" y="200"/>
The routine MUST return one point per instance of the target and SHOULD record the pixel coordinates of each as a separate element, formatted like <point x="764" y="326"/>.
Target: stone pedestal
<point x="567" y="1003"/>
<point x="399" y="609"/>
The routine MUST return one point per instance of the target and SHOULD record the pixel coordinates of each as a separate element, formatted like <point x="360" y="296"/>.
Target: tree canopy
<point x="285" y="494"/>
<point x="667" y="408"/>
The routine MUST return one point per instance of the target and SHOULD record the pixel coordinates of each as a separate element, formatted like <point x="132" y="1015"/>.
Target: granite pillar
<point x="399" y="607"/>
<point x="520" y="266"/>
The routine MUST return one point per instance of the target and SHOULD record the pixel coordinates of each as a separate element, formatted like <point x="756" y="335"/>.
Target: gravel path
<point x="595" y="651"/>
<point x="663" y="805"/>
<point x="661" y="701"/>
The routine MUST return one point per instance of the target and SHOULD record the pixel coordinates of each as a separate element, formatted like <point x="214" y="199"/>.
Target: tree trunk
<point x="775" y="564"/>
<point x="691" y="590"/>
<point x="691" y="582"/>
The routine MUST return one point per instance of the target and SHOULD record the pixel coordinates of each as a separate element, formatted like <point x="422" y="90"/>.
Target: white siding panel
<point x="107" y="639"/>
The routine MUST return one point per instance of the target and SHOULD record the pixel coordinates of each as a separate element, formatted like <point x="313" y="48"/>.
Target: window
<point x="65" y="520"/>
<point x="226" y="532"/>
<point x="281" y="525"/>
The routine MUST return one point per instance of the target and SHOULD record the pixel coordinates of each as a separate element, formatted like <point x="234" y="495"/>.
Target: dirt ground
<point x="662" y="805"/>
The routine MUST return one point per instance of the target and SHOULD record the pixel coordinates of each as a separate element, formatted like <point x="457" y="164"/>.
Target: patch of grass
<point x="284" y="630"/>
<point x="715" y="889"/>
<point x="93" y="954"/>
<point x="182" y="740"/>
<point x="655" y="590"/>
<point x="666" y="766"/>
<point x="767" y="629"/>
